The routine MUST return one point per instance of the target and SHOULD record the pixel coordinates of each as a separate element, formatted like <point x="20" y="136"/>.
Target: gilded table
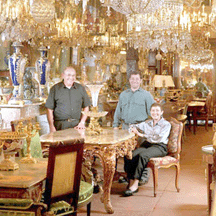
<point x="108" y="146"/>
<point x="26" y="182"/>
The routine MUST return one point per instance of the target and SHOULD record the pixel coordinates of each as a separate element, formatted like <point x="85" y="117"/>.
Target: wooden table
<point x="26" y="182"/>
<point x="193" y="107"/>
<point x="207" y="152"/>
<point x="107" y="146"/>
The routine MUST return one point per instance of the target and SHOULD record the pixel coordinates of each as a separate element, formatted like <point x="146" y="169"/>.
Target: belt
<point x="68" y="120"/>
<point x="137" y="122"/>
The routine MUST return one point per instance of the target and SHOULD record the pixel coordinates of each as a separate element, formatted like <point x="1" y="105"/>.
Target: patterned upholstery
<point x="173" y="138"/>
<point x="19" y="207"/>
<point x="160" y="161"/>
<point x="173" y="157"/>
<point x="85" y="194"/>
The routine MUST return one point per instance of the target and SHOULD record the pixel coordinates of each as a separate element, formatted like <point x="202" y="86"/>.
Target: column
<point x="212" y="41"/>
<point x="176" y="71"/>
<point x="132" y="60"/>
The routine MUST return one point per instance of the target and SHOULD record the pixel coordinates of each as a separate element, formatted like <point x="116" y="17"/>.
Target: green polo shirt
<point x="133" y="107"/>
<point x="67" y="103"/>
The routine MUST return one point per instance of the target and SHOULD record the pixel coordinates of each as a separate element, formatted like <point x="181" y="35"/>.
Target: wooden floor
<point x="190" y="201"/>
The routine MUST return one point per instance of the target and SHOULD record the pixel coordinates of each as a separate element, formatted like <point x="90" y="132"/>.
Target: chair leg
<point x="206" y="124"/>
<point x="177" y="177"/>
<point x="155" y="179"/>
<point x="88" y="209"/>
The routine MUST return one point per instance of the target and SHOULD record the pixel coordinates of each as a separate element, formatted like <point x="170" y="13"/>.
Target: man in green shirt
<point x="65" y="103"/>
<point x="133" y="107"/>
<point x="134" y="104"/>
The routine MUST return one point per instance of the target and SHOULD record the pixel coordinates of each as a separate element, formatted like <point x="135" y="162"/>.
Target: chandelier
<point x="164" y="18"/>
<point x="128" y="7"/>
<point x="162" y="29"/>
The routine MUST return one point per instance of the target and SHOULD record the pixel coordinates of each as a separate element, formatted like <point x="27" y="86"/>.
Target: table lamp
<point x="162" y="82"/>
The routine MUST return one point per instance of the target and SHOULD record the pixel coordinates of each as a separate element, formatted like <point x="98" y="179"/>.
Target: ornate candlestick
<point x="10" y="141"/>
<point x="42" y="66"/>
<point x="17" y="68"/>
<point x="94" y="127"/>
<point x="30" y="130"/>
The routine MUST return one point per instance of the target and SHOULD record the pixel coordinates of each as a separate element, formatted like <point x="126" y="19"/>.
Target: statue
<point x="42" y="66"/>
<point x="17" y="65"/>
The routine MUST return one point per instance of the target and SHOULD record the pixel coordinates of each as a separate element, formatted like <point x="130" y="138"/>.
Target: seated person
<point x="201" y="89"/>
<point x="155" y="133"/>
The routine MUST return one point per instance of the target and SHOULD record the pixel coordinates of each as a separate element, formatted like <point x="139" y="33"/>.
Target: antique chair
<point x="36" y="150"/>
<point x="173" y="157"/>
<point x="63" y="192"/>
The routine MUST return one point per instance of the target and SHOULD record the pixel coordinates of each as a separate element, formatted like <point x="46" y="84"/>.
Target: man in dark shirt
<point x="65" y="103"/>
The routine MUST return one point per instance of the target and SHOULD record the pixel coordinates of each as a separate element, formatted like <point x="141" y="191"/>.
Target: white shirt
<point x="155" y="134"/>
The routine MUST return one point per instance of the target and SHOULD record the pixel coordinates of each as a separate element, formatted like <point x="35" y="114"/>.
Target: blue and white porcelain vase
<point x="42" y="68"/>
<point x="17" y="63"/>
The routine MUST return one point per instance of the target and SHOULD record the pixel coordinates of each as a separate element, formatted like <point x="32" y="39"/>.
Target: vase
<point x="17" y="63"/>
<point x="42" y="68"/>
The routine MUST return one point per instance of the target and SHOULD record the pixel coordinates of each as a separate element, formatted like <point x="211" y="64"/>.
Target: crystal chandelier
<point x="164" y="18"/>
<point x="134" y="6"/>
<point x="162" y="29"/>
<point x="13" y="9"/>
<point x="42" y="11"/>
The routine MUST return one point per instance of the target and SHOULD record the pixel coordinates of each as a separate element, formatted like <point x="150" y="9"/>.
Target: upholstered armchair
<point x="173" y="157"/>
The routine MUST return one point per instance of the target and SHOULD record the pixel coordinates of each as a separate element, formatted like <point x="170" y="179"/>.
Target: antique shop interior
<point x="172" y="43"/>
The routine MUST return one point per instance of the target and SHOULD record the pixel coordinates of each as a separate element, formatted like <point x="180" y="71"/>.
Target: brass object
<point x="30" y="130"/>
<point x="94" y="127"/>
<point x="12" y="141"/>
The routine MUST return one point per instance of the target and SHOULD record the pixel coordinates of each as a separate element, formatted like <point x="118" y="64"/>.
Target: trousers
<point x="140" y="158"/>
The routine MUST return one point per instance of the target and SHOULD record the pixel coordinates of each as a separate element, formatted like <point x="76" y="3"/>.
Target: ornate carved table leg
<point x="108" y="161"/>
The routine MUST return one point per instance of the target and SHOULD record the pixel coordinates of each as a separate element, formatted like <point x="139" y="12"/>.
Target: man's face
<point x="69" y="77"/>
<point x="156" y="113"/>
<point x="135" y="81"/>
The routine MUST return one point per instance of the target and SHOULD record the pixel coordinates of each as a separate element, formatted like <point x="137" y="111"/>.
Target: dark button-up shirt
<point x="155" y="134"/>
<point x="133" y="107"/>
<point x="67" y="103"/>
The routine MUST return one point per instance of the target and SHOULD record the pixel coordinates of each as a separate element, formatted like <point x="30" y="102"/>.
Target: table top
<point x="200" y="99"/>
<point x="196" y="103"/>
<point x="109" y="136"/>
<point x="26" y="176"/>
<point x="208" y="149"/>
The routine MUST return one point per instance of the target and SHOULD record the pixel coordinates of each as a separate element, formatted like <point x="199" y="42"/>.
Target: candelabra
<point x="10" y="142"/>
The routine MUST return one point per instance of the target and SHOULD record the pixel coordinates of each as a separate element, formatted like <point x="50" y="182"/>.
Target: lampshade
<point x="164" y="81"/>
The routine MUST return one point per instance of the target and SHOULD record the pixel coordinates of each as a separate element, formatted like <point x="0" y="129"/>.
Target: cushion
<point x="85" y="192"/>
<point x="14" y="203"/>
<point x="160" y="161"/>
<point x="36" y="150"/>
<point x="61" y="207"/>
<point x="173" y="137"/>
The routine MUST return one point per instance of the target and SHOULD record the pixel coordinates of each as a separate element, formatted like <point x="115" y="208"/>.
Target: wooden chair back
<point x="64" y="172"/>
<point x="208" y="104"/>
